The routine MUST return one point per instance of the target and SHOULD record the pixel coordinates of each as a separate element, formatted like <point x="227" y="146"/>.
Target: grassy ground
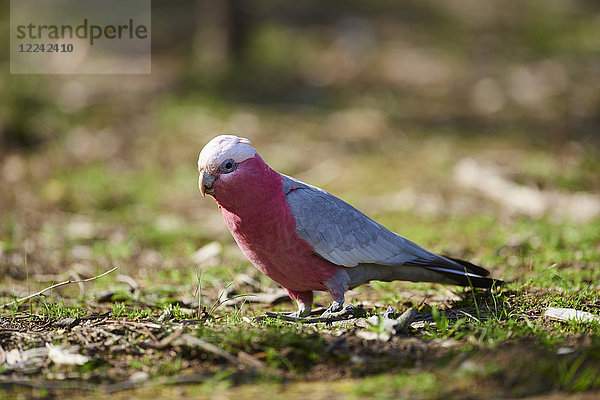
<point x="144" y="334"/>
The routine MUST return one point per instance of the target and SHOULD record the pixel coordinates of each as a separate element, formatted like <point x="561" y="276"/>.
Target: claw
<point x="389" y="313"/>
<point x="336" y="306"/>
<point x="340" y="312"/>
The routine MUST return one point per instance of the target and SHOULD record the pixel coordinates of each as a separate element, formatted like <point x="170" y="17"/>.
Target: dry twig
<point x="31" y="296"/>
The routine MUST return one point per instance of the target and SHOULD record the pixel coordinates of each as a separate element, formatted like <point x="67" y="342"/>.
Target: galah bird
<point x="306" y="239"/>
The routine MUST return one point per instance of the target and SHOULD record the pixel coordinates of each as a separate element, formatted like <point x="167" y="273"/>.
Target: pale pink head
<point x="219" y="160"/>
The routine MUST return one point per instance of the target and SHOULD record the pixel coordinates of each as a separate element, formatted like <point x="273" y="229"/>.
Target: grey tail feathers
<point x="462" y="272"/>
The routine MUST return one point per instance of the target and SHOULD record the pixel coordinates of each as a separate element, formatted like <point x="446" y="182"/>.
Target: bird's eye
<point x="228" y="166"/>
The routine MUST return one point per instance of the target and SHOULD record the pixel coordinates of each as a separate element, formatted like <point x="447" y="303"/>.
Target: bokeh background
<point x="455" y="123"/>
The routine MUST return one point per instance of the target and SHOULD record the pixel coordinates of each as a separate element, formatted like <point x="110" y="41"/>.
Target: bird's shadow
<point x="478" y="304"/>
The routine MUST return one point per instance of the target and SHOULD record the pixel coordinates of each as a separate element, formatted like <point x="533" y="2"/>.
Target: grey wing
<point x="343" y="235"/>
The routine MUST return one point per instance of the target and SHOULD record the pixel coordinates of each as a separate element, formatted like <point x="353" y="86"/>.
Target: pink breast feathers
<point x="262" y="225"/>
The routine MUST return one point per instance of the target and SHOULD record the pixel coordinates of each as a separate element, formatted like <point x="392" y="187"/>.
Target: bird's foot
<point x="389" y="312"/>
<point x="337" y="310"/>
<point x="327" y="316"/>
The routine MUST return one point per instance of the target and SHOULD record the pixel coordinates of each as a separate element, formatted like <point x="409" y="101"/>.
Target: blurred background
<point x="440" y="119"/>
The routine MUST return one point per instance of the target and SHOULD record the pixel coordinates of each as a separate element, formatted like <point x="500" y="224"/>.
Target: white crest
<point x="222" y="148"/>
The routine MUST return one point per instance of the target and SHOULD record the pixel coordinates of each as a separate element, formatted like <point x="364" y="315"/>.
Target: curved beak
<point x="205" y="182"/>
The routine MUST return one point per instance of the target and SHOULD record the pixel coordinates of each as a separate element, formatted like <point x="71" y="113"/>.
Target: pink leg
<point x="304" y="301"/>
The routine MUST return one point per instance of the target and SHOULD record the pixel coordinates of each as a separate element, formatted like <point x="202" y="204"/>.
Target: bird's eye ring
<point x="228" y="166"/>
